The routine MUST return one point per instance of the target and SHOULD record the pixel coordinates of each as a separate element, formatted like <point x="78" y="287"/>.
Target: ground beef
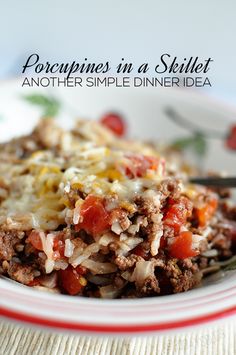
<point x="21" y="148"/>
<point x="170" y="276"/>
<point x="120" y="221"/>
<point x="228" y="211"/>
<point x="222" y="192"/>
<point x="47" y="135"/>
<point x="146" y="205"/>
<point x="178" y="276"/>
<point x="222" y="236"/>
<point x="21" y="273"/>
<point x="125" y="263"/>
<point x="222" y="243"/>
<point x="119" y="282"/>
<point x="124" y="221"/>
<point x="149" y="205"/>
<point x="8" y="242"/>
<point x="170" y="188"/>
<point x="185" y="281"/>
<point x="150" y="287"/>
<point x="203" y="262"/>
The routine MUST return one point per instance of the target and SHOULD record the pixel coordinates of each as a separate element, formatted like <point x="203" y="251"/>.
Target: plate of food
<point x="101" y="229"/>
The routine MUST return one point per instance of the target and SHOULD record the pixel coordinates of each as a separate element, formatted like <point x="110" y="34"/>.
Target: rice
<point x="69" y="248"/>
<point x="79" y="254"/>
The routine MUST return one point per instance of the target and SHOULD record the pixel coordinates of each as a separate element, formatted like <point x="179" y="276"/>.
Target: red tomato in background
<point x="231" y="139"/>
<point x="115" y="123"/>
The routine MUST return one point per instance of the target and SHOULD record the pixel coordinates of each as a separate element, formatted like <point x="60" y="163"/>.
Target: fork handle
<point x="214" y="181"/>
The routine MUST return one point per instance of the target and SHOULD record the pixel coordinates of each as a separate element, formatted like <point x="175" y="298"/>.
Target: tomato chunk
<point x="181" y="248"/>
<point x="58" y="247"/>
<point x="177" y="213"/>
<point x="35" y="240"/>
<point x="70" y="280"/>
<point x="95" y="217"/>
<point x="115" y="123"/>
<point x="206" y="211"/>
<point x="81" y="270"/>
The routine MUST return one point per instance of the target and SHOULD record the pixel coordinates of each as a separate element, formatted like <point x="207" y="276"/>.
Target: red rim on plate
<point x="116" y="329"/>
<point x="185" y="321"/>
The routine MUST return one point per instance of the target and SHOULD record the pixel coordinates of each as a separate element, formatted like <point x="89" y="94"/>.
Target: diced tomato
<point x="138" y="250"/>
<point x="139" y="164"/>
<point x="95" y="217"/>
<point x="177" y="213"/>
<point x="35" y="240"/>
<point x="181" y="248"/>
<point x="58" y="247"/>
<point x="206" y="211"/>
<point x="70" y="280"/>
<point x="115" y="123"/>
<point x="81" y="270"/>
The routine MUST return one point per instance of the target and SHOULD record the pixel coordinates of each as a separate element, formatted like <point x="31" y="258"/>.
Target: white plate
<point x="144" y="110"/>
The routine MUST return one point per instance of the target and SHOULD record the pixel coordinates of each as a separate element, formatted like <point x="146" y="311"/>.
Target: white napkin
<point x="219" y="339"/>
